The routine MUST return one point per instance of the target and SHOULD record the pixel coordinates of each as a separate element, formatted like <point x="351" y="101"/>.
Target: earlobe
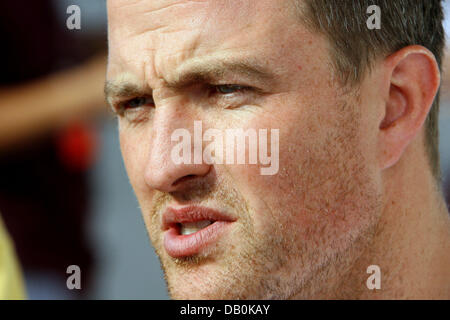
<point x="413" y="84"/>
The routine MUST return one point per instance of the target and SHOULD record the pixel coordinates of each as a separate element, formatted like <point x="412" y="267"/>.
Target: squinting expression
<point x="247" y="64"/>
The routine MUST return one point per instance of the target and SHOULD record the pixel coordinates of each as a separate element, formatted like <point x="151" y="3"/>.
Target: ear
<point x="412" y="82"/>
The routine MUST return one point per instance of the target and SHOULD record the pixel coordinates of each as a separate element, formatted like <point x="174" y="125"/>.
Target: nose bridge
<point x="172" y="115"/>
<point x="167" y="119"/>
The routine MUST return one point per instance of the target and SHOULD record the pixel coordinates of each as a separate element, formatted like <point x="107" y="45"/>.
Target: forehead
<point x="148" y="39"/>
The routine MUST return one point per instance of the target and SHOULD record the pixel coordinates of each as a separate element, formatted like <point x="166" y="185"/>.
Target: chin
<point x="194" y="294"/>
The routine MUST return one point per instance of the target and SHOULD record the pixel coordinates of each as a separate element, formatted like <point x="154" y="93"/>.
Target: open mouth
<point x="192" y="227"/>
<point x="190" y="230"/>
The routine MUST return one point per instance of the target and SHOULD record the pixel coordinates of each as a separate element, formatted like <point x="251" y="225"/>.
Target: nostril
<point x="184" y="179"/>
<point x="165" y="176"/>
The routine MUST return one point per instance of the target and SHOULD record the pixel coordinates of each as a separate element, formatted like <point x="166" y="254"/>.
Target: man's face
<point x="275" y="236"/>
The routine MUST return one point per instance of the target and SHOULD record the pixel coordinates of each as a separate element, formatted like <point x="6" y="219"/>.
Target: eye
<point x="229" y="88"/>
<point x="137" y="102"/>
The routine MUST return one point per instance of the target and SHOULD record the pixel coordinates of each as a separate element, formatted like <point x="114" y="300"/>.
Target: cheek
<point x="322" y="185"/>
<point x="275" y="198"/>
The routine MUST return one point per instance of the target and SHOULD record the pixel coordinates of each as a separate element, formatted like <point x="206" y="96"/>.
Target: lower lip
<point x="178" y="245"/>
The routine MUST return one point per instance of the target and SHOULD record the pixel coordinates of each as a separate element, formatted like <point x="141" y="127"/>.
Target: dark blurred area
<point x="65" y="198"/>
<point x="44" y="190"/>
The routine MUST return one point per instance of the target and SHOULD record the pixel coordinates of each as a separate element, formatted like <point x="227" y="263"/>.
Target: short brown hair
<point x="354" y="47"/>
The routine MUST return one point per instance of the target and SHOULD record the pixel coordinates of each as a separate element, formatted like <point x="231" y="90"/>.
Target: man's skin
<point x="354" y="187"/>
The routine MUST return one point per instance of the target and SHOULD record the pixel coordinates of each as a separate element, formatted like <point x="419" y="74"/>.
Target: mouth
<point x="193" y="227"/>
<point x="190" y="230"/>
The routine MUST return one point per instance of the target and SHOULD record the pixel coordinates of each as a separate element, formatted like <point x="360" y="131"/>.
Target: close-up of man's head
<point x="280" y="148"/>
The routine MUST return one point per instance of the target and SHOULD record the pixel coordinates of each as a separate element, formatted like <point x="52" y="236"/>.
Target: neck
<point x="412" y="239"/>
<point x="410" y="242"/>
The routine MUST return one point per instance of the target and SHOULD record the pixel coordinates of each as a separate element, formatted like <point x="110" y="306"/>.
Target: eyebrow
<point x="195" y="72"/>
<point x="210" y="71"/>
<point x="122" y="88"/>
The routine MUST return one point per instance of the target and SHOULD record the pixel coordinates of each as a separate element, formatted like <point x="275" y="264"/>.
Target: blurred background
<point x="64" y="194"/>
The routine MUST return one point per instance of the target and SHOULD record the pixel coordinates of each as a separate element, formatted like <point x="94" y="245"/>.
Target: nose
<point x="163" y="172"/>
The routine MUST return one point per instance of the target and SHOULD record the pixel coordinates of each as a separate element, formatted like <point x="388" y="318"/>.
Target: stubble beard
<point x="283" y="261"/>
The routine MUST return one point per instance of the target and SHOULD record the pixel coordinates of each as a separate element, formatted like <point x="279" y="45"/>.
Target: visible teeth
<point x="192" y="227"/>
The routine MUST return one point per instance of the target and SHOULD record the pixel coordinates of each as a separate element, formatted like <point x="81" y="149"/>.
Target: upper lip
<point x="174" y="216"/>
